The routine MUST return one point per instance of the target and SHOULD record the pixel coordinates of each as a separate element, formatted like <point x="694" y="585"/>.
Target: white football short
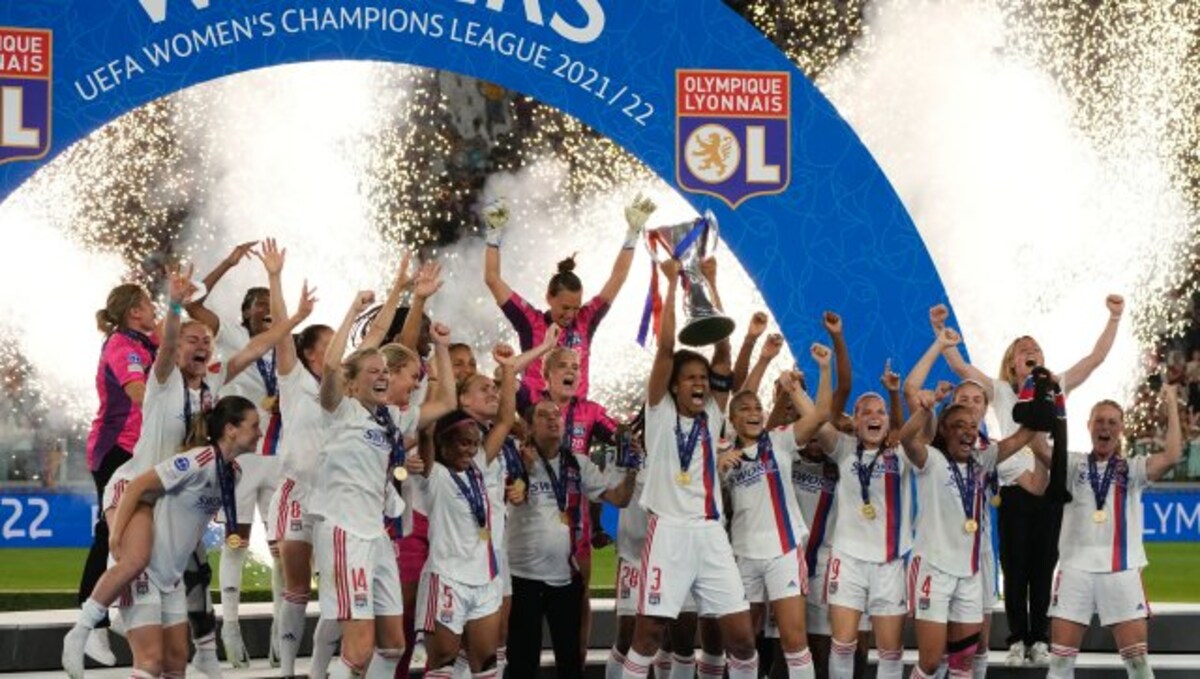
<point x="937" y="596"/>
<point x="773" y="579"/>
<point x="359" y="577"/>
<point x="143" y="604"/>
<point x="682" y="558"/>
<point x="452" y="604"/>
<point x="865" y="586"/>
<point x="287" y="519"/>
<point x="1115" y="597"/>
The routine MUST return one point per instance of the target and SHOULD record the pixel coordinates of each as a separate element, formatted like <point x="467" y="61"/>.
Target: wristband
<point x="494" y="236"/>
<point x="631" y="238"/>
<point x="176" y="308"/>
<point x="720" y="383"/>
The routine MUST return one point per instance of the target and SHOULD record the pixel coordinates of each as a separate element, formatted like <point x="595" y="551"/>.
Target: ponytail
<point x="565" y="279"/>
<point x="120" y="300"/>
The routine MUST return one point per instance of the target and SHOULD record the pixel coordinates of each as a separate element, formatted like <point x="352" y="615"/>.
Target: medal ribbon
<point x="688" y="449"/>
<point x="473" y="491"/>
<point x="565" y="445"/>
<point x="226" y="482"/>
<point x="514" y="466"/>
<point x="966" y="486"/>
<point x="267" y="371"/>
<point x="864" y="472"/>
<point x="1101" y="491"/>
<point x="383" y="417"/>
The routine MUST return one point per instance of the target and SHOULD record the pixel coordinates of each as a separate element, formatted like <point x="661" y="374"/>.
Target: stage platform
<point x="31" y="643"/>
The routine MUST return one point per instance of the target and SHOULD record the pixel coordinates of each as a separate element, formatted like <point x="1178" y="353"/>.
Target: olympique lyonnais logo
<point x="733" y="133"/>
<point x="25" y="84"/>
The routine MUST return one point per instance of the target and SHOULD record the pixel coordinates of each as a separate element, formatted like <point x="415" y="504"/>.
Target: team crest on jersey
<point x="733" y="133"/>
<point x="25" y="93"/>
<point x="446" y="617"/>
<point x="135" y="358"/>
<point x="142" y="587"/>
<point x="296" y="526"/>
<point x="833" y="587"/>
<point x="654" y="598"/>
<point x="923" y="603"/>
<point x="182" y="464"/>
<point x="360" y="599"/>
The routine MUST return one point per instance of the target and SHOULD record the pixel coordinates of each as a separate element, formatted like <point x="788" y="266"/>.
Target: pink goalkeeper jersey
<point x="126" y="357"/>
<point x="531" y="324"/>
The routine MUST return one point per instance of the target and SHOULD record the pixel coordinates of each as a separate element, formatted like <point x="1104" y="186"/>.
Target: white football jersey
<point x="192" y="497"/>
<point x="816" y="485"/>
<point x="943" y="538"/>
<point x="164" y="415"/>
<point x="459" y="548"/>
<point x="539" y="543"/>
<point x="304" y="425"/>
<point x="1114" y="543"/>
<point x="766" y="520"/>
<point x="696" y="497"/>
<point x="350" y="489"/>
<point x="231" y="338"/>
<point x="888" y="535"/>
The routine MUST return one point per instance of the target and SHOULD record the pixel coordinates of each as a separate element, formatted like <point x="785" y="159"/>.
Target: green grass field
<point x="48" y="578"/>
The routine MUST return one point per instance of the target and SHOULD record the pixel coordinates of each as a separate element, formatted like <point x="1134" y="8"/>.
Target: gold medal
<point x="400" y="474"/>
<point x="519" y="485"/>
<point x="565" y="518"/>
<point x="485" y="534"/>
<point x="234" y="541"/>
<point x="268" y="403"/>
<point x="1099" y="516"/>
<point x="868" y="512"/>
<point x="995" y="500"/>
<point x="683" y="479"/>
<point x="971" y="526"/>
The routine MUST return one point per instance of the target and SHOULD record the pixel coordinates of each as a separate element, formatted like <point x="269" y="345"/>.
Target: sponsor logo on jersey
<point x="377" y="438"/>
<point x="209" y="504"/>
<point x="182" y="463"/>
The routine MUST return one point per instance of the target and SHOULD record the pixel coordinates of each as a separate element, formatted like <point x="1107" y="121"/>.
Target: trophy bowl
<point x="691" y="242"/>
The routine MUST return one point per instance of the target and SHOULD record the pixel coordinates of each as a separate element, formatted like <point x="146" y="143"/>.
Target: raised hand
<point x="937" y="317"/>
<point x="552" y="335"/>
<point x="403" y="277"/>
<point x="308" y="300"/>
<point x="708" y="269"/>
<point x="180" y="287"/>
<point x="820" y="353"/>
<point x="441" y="334"/>
<point x="271" y="256"/>
<point x="925" y="400"/>
<point x="638" y="212"/>
<point x="503" y="354"/>
<point x="362" y="301"/>
<point x="948" y="337"/>
<point x="428" y="281"/>
<point x="1115" y="304"/>
<point x="758" y="324"/>
<point x="942" y="391"/>
<point x="495" y="214"/>
<point x="773" y="346"/>
<point x="890" y="378"/>
<point x="671" y="268"/>
<point x="240" y="252"/>
<point x="833" y="322"/>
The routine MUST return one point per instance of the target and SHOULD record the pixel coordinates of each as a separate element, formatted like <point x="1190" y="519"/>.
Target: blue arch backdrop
<point x="824" y="231"/>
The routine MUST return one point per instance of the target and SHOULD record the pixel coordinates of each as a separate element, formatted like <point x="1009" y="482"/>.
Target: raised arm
<point x="813" y="418"/>
<point x="522" y="361"/>
<point x="1078" y="373"/>
<point x="506" y="417"/>
<point x="954" y="358"/>
<point x="708" y="269"/>
<point x="722" y="359"/>
<point x="196" y="308"/>
<point x="770" y="351"/>
<point x="179" y="288"/>
<point x="945" y="338"/>
<point x="332" y="383"/>
<point x="636" y="215"/>
<point x="495" y="217"/>
<point x="383" y="320"/>
<point x="664" y="357"/>
<point x="447" y="399"/>
<point x="1019" y="439"/>
<point x="841" y="357"/>
<point x="272" y="258"/>
<point x="263" y="341"/>
<point x="915" y="448"/>
<point x="890" y="380"/>
<point x="426" y="284"/>
<point x="741" y="367"/>
<point x="1159" y="463"/>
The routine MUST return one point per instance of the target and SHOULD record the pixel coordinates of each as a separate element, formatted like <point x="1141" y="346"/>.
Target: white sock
<point x="135" y="673"/>
<point x="486" y="674"/>
<point x="918" y="674"/>
<point x="343" y="670"/>
<point x="91" y="613"/>
<point x="891" y="664"/>
<point x="711" y="666"/>
<point x="462" y="667"/>
<point x="501" y="659"/>
<point x="980" y="668"/>
<point x="799" y="664"/>
<point x="1062" y="662"/>
<point x="662" y="664"/>
<point x="325" y="642"/>
<point x="1137" y="664"/>
<point x="683" y="667"/>
<point x="383" y="663"/>
<point x="841" y="659"/>
<point x="637" y="666"/>
<point x="291" y="631"/>
<point x="232" y="561"/>
<point x="743" y="669"/>
<point x="276" y="588"/>
<point x="615" y="664"/>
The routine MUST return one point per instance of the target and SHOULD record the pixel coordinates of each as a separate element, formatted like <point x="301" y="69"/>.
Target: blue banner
<point x="46" y="518"/>
<point x="1171" y="515"/>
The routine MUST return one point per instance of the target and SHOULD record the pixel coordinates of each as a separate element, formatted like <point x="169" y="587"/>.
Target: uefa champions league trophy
<point x="691" y="242"/>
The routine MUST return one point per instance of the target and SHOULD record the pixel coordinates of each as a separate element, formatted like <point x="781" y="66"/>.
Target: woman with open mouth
<point x="945" y="582"/>
<point x="1100" y="571"/>
<point x="1028" y="524"/>
<point x="363" y="454"/>
<point x="767" y="529"/>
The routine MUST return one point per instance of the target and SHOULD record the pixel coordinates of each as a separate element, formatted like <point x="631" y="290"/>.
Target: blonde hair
<point x="1008" y="372"/>
<point x="555" y="354"/>
<point x="191" y="323"/>
<point x="1109" y="403"/>
<point x="352" y="364"/>
<point x="120" y="300"/>
<point x="396" y="356"/>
